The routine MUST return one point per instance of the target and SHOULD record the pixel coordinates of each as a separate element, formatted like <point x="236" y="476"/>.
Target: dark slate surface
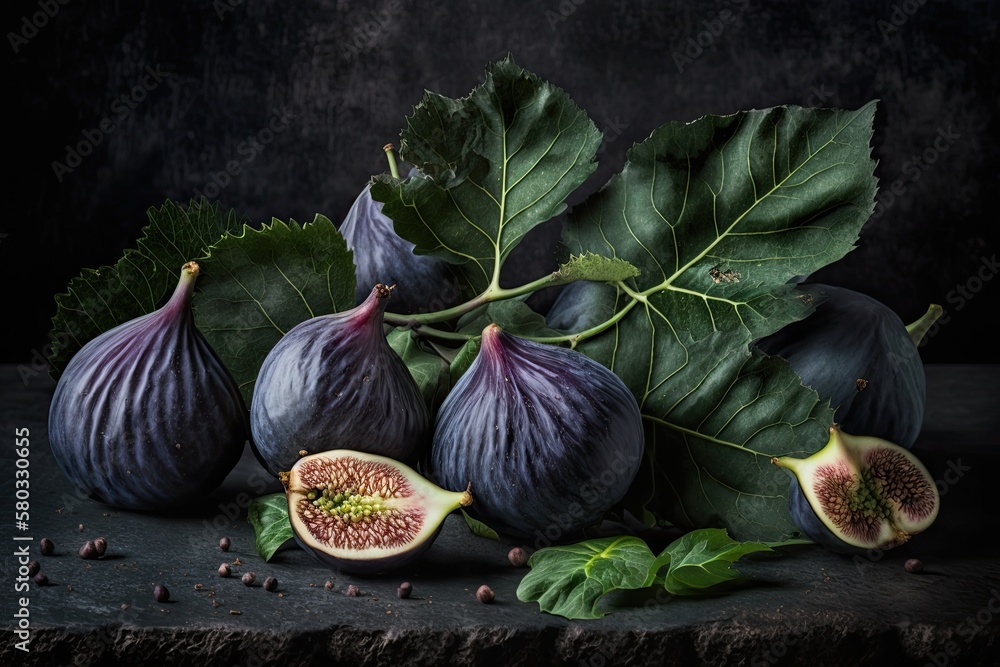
<point x="804" y="606"/>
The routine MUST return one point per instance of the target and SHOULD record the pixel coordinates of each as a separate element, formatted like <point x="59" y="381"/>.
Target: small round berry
<point x="46" y="546"/>
<point x="101" y="544"/>
<point x="485" y="594"/>
<point x="518" y="557"/>
<point x="88" y="551"/>
<point x="160" y="593"/>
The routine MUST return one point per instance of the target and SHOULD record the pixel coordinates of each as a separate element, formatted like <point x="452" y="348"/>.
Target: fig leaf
<point x="513" y="315"/>
<point x="100" y="299"/>
<point x="571" y="580"/>
<point x="703" y="558"/>
<point x="431" y="372"/>
<point x="495" y="164"/>
<point x="464" y="358"/>
<point x="718" y="214"/>
<point x="258" y="284"/>
<point x="269" y="517"/>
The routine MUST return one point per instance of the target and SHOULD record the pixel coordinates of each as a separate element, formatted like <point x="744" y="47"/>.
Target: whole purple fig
<point x="333" y="382"/>
<point x="857" y="353"/>
<point x="549" y="438"/>
<point x="423" y="283"/>
<point x="146" y="416"/>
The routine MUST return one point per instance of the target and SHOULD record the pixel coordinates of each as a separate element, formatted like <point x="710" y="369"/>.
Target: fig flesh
<point x="365" y="514"/>
<point x="860" y="493"/>
<point x="334" y="382"/>
<point x="549" y="438"/>
<point x="145" y="416"/>
<point x="423" y="283"/>
<point x="856" y="352"/>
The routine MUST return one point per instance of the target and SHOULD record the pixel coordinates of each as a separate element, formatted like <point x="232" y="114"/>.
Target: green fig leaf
<point x="570" y="581"/>
<point x="718" y="215"/>
<point x="269" y="517"/>
<point x="430" y="372"/>
<point x="701" y="559"/>
<point x="466" y="355"/>
<point x="480" y="529"/>
<point x="258" y="284"/>
<point x="493" y="165"/>
<point x="511" y="315"/>
<point x="140" y="282"/>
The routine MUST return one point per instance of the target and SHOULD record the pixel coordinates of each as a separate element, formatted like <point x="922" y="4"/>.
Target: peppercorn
<point x="518" y="557"/>
<point x="101" y="544"/>
<point x="485" y="594"/>
<point x="160" y="593"/>
<point x="88" y="551"/>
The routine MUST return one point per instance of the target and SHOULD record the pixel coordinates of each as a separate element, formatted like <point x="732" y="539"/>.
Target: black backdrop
<point x="168" y="93"/>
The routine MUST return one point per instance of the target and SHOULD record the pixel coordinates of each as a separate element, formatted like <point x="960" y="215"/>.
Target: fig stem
<point x="574" y="338"/>
<point x="431" y="332"/>
<point x="391" y="156"/>
<point x="919" y="329"/>
<point x="419" y="319"/>
<point x="490" y="295"/>
<point x="493" y="293"/>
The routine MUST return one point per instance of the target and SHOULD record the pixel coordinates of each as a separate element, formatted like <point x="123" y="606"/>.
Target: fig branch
<point x="489" y="295"/>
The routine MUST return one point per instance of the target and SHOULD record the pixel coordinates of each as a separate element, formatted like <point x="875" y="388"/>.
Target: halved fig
<point x="362" y="513"/>
<point x="860" y="493"/>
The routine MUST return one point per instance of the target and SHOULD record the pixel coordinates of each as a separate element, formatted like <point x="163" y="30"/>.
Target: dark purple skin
<point x="333" y="382"/>
<point x="549" y="438"/>
<point x="424" y="283"/>
<point x="371" y="567"/>
<point x="852" y="336"/>
<point x="581" y="305"/>
<point x="145" y="416"/>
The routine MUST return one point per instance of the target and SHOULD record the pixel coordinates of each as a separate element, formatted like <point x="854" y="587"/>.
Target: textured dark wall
<point x="343" y="76"/>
